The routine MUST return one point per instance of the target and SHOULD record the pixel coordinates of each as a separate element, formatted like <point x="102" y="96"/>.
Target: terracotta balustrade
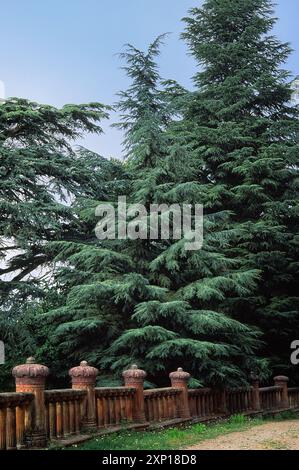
<point x="270" y="398"/>
<point x="282" y="381"/>
<point x="293" y="393"/>
<point x="240" y="400"/>
<point x="15" y="419"/>
<point x="256" y="402"/>
<point x="134" y="378"/>
<point x="32" y="416"/>
<point x="31" y="378"/>
<point x="83" y="378"/>
<point x="204" y="402"/>
<point x="63" y="412"/>
<point x="114" y="406"/>
<point x="179" y="379"/>
<point x="162" y="404"/>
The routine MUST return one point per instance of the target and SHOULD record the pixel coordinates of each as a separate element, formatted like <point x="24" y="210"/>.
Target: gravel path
<point x="282" y="435"/>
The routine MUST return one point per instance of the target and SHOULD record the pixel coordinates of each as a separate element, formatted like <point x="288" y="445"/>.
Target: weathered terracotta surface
<point x="161" y="404"/>
<point x="256" y="403"/>
<point x="30" y="373"/>
<point x="63" y="410"/>
<point x="32" y="414"/>
<point x="282" y="381"/>
<point x="134" y="377"/>
<point x="14" y="407"/>
<point x="83" y="374"/>
<point x="179" y="379"/>
<point x="84" y="378"/>
<point x="31" y="378"/>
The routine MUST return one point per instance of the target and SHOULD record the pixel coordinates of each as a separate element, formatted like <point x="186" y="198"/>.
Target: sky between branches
<point x="60" y="52"/>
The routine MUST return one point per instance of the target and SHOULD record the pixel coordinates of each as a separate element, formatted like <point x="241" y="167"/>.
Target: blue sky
<point x="63" y="51"/>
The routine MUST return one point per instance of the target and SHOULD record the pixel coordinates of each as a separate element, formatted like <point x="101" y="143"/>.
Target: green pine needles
<point x="230" y="144"/>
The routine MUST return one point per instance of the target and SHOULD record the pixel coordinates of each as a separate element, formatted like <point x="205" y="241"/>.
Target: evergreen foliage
<point x="231" y="144"/>
<point x="244" y="130"/>
<point x="43" y="183"/>
<point x="181" y="301"/>
<point x="41" y="176"/>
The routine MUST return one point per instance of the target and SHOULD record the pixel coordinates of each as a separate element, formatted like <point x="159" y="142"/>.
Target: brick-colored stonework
<point x="180" y="379"/>
<point x="31" y="378"/>
<point x="134" y="378"/>
<point x="33" y="416"/>
<point x="84" y="378"/>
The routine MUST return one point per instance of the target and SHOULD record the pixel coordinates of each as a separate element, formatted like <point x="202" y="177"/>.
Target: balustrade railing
<point x="239" y="400"/>
<point x="161" y="404"/>
<point x="33" y="416"/>
<point x="293" y="394"/>
<point x="63" y="412"/>
<point x="270" y="398"/>
<point x="204" y="402"/>
<point x="15" y="419"/>
<point x="114" y="406"/>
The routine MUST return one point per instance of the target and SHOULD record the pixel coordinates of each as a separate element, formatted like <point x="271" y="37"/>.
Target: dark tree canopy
<point x="230" y="144"/>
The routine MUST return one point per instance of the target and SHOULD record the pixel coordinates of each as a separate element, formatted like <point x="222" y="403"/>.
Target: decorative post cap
<point x="281" y="378"/>
<point x="83" y="372"/>
<point x="180" y="375"/>
<point x="134" y="373"/>
<point x="31" y="369"/>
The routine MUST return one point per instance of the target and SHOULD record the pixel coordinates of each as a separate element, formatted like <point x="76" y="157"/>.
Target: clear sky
<point x="63" y="51"/>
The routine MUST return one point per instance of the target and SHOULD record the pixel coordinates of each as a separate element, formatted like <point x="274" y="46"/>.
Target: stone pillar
<point x="84" y="378"/>
<point x="256" y="404"/>
<point x="134" y="378"/>
<point x="282" y="381"/>
<point x="31" y="378"/>
<point x="180" y="379"/>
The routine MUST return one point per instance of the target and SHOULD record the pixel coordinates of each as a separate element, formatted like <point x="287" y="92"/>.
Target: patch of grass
<point x="172" y="438"/>
<point x="179" y="438"/>
<point x="289" y="414"/>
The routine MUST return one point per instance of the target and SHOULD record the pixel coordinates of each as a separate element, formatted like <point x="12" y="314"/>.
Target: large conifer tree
<point x="40" y="177"/>
<point x="104" y="280"/>
<point x="231" y="145"/>
<point x="43" y="184"/>
<point x="191" y="323"/>
<point x="244" y="133"/>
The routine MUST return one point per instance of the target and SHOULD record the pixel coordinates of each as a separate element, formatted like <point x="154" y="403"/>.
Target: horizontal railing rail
<point x="33" y="417"/>
<point x="239" y="400"/>
<point x="63" y="412"/>
<point x="293" y="394"/>
<point x="114" y="405"/>
<point x="161" y="404"/>
<point x="15" y="419"/>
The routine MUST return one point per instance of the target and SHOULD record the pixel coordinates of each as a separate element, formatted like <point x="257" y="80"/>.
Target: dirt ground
<point x="282" y="435"/>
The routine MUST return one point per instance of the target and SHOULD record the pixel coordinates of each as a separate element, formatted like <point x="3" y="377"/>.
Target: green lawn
<point x="173" y="438"/>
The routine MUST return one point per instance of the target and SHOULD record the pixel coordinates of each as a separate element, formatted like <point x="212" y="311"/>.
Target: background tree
<point x="43" y="182"/>
<point x="190" y="323"/>
<point x="104" y="280"/>
<point x="155" y="302"/>
<point x="243" y="132"/>
<point x="41" y="176"/>
<point x="232" y="145"/>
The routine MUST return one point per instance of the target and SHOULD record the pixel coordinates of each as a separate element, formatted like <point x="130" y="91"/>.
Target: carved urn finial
<point x="134" y="375"/>
<point x="30" y="372"/>
<point x="83" y="373"/>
